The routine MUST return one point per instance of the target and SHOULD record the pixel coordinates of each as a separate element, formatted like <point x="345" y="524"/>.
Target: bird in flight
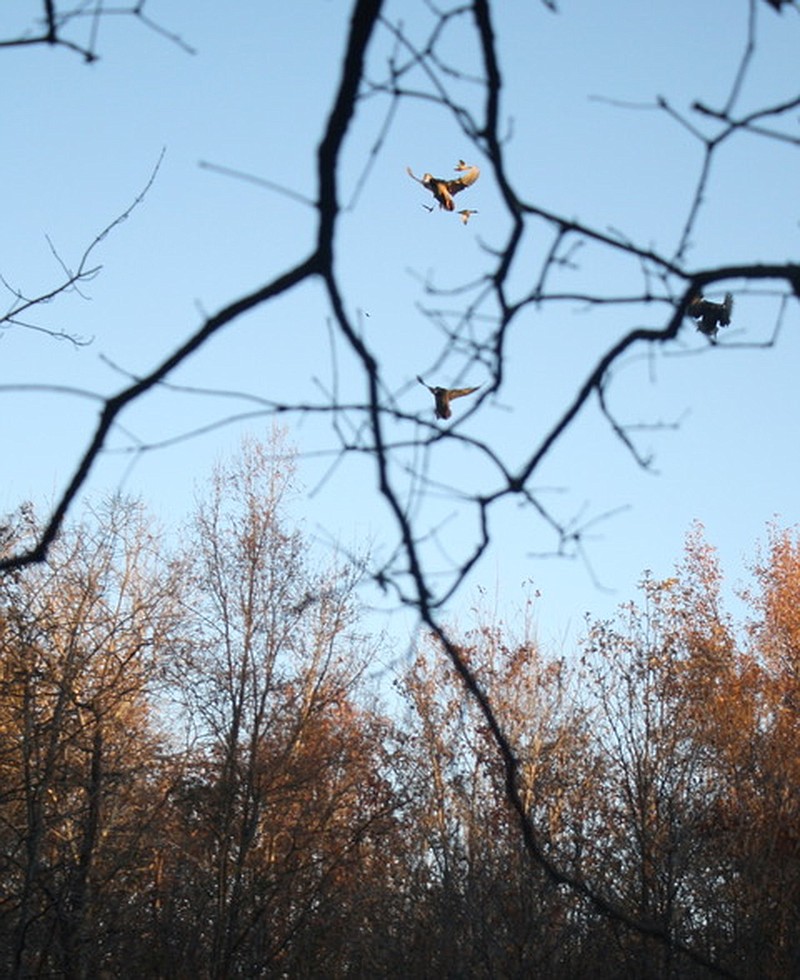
<point x="444" y="396"/>
<point x="444" y="190"/>
<point x="710" y="316"/>
<point x="466" y="214"/>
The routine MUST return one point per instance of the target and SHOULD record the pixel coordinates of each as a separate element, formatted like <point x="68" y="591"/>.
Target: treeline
<point x="196" y="779"/>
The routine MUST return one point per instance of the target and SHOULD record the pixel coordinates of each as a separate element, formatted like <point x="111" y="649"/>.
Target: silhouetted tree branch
<point x="72" y="280"/>
<point x="383" y="62"/>
<point x="75" y="27"/>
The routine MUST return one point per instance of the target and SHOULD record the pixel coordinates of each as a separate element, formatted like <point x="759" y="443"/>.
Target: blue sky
<point x="585" y="141"/>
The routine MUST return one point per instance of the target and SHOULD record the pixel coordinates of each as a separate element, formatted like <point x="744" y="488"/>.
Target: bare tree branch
<point x="476" y="325"/>
<point x="57" y="20"/>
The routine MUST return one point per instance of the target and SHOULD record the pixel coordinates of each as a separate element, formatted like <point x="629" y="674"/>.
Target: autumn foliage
<point x="197" y="774"/>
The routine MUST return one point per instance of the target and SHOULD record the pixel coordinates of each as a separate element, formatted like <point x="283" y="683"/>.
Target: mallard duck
<point x="444" y="396"/>
<point x="710" y="316"/>
<point x="444" y="190"/>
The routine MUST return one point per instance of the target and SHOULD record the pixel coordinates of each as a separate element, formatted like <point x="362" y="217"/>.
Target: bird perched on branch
<point x="444" y="190"/>
<point x="444" y="396"/>
<point x="710" y="316"/>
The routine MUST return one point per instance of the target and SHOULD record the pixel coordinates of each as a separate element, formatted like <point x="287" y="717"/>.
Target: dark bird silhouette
<point x="442" y="189"/>
<point x="444" y="396"/>
<point x="710" y="316"/>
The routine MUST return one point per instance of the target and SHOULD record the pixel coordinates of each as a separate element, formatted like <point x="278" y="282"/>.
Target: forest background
<point x="200" y="768"/>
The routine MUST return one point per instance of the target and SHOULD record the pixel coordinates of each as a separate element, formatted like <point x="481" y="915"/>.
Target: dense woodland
<point x="199" y="776"/>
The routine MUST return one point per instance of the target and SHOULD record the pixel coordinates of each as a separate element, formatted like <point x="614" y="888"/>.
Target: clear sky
<point x="584" y="141"/>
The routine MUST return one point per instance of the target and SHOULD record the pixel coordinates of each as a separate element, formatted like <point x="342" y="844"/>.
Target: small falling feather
<point x="710" y="316"/>
<point x="443" y="397"/>
<point x="444" y="190"/>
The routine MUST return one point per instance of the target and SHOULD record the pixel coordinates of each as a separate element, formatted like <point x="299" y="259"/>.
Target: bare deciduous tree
<point x="79" y="651"/>
<point x="290" y="775"/>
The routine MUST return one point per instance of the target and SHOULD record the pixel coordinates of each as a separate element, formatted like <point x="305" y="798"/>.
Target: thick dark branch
<point x="362" y="24"/>
<point x="114" y="406"/>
